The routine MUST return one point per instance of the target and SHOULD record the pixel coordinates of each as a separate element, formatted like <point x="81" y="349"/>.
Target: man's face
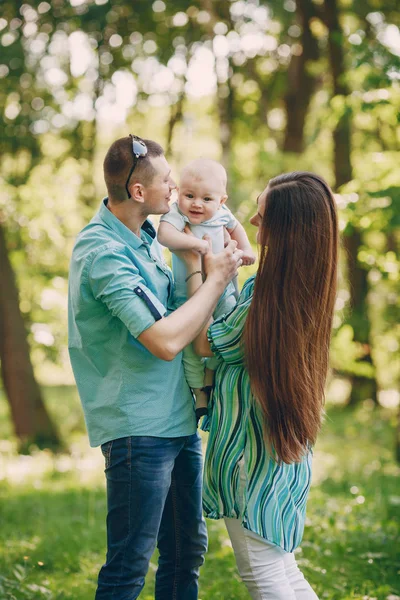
<point x="158" y="193"/>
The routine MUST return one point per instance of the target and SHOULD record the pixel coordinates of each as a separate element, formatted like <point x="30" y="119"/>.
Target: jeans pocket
<point x="106" y="450"/>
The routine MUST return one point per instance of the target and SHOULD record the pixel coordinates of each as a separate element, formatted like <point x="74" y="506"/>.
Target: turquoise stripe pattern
<point x="272" y="503"/>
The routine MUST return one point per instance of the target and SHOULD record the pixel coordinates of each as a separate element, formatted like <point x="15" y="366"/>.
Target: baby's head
<point x="202" y="189"/>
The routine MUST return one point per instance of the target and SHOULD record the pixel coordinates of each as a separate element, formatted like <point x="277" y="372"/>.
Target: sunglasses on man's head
<point x="139" y="149"/>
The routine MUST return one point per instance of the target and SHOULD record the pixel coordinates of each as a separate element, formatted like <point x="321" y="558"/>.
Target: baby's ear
<point x="223" y="199"/>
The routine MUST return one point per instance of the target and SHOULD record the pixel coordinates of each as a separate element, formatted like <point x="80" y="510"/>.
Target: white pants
<point x="268" y="572"/>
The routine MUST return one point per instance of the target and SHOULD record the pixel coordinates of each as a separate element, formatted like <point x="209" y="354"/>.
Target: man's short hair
<point x="118" y="162"/>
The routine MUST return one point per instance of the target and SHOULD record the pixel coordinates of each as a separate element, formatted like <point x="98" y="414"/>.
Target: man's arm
<point x="168" y="336"/>
<point x="172" y="238"/>
<point x="240" y="236"/>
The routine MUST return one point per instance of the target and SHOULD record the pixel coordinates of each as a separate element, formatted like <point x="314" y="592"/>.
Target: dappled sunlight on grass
<point x="53" y="507"/>
<point x="323" y="465"/>
<point x="352" y="529"/>
<point x="83" y="466"/>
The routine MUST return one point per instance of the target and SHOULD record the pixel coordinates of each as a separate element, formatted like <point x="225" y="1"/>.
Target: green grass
<point x="52" y="515"/>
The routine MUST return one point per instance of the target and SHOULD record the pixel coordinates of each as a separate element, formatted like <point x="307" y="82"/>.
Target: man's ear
<point x="223" y="199"/>
<point x="137" y="192"/>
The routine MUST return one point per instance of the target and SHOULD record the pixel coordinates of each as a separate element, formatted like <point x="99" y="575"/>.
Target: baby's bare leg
<point x="208" y="377"/>
<point x="203" y="394"/>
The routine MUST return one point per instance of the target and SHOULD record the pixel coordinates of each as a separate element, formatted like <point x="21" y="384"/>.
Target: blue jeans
<point x="154" y="498"/>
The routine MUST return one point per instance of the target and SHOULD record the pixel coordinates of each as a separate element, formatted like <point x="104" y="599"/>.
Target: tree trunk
<point x="362" y="387"/>
<point x="225" y="113"/>
<point x="392" y="246"/>
<point x="32" y="423"/>
<point x="397" y="441"/>
<point x="176" y="115"/>
<point x="220" y="11"/>
<point x="301" y="83"/>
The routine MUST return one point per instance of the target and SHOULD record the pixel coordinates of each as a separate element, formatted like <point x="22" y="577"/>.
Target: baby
<point x="201" y="205"/>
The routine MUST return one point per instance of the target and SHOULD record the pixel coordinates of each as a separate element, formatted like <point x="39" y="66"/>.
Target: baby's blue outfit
<point x="214" y="228"/>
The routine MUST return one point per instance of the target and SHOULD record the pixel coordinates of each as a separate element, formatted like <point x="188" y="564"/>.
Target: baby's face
<point x="200" y="198"/>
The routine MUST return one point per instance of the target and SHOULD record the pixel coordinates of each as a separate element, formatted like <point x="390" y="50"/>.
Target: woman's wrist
<point x="194" y="281"/>
<point x="193" y="274"/>
<point x="192" y="261"/>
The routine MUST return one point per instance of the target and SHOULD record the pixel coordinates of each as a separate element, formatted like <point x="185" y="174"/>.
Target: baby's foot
<point x="201" y="403"/>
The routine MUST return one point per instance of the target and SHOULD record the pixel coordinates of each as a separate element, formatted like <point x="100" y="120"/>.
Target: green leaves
<point x="53" y="508"/>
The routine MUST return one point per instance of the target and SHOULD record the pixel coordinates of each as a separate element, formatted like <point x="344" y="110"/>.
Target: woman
<point x="267" y="401"/>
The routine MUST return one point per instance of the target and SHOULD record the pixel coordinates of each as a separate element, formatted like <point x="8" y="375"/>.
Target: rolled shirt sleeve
<point x="116" y="281"/>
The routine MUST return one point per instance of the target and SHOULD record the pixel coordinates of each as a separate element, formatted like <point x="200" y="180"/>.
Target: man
<point x="125" y="348"/>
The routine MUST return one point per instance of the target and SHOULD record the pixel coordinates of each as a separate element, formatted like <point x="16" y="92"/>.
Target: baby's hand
<point x="201" y="246"/>
<point x="227" y="237"/>
<point x="248" y="258"/>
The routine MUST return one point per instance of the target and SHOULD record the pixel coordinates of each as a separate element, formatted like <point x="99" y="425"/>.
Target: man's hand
<point x="224" y="265"/>
<point x="221" y="267"/>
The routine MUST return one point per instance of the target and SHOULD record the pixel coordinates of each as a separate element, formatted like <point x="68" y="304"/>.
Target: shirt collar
<point x="110" y="220"/>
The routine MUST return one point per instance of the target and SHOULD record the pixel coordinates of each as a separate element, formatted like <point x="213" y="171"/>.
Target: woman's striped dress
<point x="272" y="502"/>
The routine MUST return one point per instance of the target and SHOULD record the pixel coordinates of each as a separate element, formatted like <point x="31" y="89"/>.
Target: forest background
<point x="265" y="87"/>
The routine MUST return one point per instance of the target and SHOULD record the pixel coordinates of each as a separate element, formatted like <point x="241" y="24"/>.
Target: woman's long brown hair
<point x="288" y="328"/>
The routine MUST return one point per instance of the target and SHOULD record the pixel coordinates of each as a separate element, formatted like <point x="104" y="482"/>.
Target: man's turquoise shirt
<point x="119" y="285"/>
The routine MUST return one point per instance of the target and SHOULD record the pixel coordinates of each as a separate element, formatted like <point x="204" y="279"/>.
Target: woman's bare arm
<point x="201" y="344"/>
<point x="168" y="336"/>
